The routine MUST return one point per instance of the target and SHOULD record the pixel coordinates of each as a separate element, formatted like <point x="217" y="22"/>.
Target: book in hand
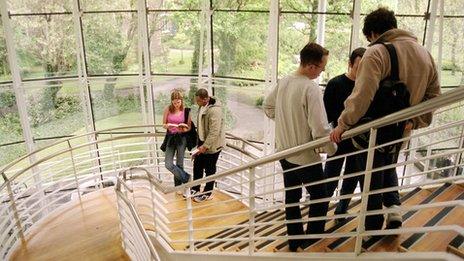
<point x="195" y="152"/>
<point x="180" y="125"/>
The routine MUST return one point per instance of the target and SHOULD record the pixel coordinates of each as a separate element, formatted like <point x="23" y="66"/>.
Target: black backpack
<point x="392" y="96"/>
<point x="191" y="135"/>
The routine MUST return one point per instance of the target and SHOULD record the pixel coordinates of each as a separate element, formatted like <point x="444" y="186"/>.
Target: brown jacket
<point x="416" y="69"/>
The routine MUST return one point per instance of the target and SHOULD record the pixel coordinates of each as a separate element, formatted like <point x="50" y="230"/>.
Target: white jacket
<point x="298" y="109"/>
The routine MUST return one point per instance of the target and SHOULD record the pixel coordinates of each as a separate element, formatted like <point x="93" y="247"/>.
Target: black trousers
<point x="205" y="163"/>
<point x="382" y="179"/>
<point x="299" y="177"/>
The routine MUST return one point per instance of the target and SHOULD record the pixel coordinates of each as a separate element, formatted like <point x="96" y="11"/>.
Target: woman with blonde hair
<point x="177" y="122"/>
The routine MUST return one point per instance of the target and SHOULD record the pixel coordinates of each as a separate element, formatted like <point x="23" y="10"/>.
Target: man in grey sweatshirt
<point x="297" y="107"/>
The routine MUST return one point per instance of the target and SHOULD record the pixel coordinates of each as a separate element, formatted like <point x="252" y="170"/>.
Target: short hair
<point x="358" y="52"/>
<point x="379" y="21"/>
<point x="202" y="93"/>
<point x="312" y="53"/>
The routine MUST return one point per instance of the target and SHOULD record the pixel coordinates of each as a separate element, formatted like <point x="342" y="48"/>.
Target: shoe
<point x="202" y="198"/>
<point x="186" y="191"/>
<point x="394" y="219"/>
<point x="178" y="193"/>
<point x="340" y="221"/>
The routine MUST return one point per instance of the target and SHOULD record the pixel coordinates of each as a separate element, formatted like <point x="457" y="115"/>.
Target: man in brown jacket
<point x="417" y="70"/>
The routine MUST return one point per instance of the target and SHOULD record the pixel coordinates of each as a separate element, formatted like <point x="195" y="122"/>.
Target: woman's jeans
<point x="180" y="176"/>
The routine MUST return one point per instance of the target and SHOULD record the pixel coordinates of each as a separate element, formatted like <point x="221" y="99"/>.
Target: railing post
<point x="14" y="209"/>
<point x="251" y="205"/>
<point x="190" y="221"/>
<point x="366" y="188"/>
<point x="458" y="157"/>
<point x="74" y="170"/>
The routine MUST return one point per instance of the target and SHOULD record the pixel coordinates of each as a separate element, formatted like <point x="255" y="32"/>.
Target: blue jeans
<point x="180" y="176"/>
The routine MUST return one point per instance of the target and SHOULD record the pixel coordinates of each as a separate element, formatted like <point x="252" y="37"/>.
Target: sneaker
<point x="202" y="198"/>
<point x="394" y="219"/>
<point x="185" y="193"/>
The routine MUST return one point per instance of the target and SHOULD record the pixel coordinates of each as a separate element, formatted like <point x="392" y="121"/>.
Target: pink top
<point x="175" y="119"/>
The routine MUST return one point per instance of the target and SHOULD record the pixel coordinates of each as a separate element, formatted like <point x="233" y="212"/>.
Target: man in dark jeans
<point x="417" y="71"/>
<point x="211" y="140"/>
<point x="335" y="94"/>
<point x="297" y="107"/>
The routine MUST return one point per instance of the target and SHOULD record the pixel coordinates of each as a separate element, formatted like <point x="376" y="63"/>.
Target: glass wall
<point x="46" y="43"/>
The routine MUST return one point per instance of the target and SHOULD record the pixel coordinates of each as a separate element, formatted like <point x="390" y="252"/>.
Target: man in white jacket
<point x="298" y="109"/>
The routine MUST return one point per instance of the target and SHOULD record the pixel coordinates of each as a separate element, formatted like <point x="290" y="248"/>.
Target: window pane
<point x="241" y="5"/>
<point x="399" y="7"/>
<point x="112" y="48"/>
<point x="452" y="67"/>
<point x="240" y="44"/>
<point x="39" y="6"/>
<point x="299" y="5"/>
<point x="54" y="108"/>
<point x="242" y="101"/>
<point x="174" y="4"/>
<point x="344" y="6"/>
<point x="5" y="73"/>
<point x="108" y="5"/>
<point x="337" y="41"/>
<point x="116" y="102"/>
<point x="10" y="126"/>
<point x="10" y="153"/>
<point x="46" y="45"/>
<point x="174" y="37"/>
<point x="454" y="7"/>
<point x="295" y="31"/>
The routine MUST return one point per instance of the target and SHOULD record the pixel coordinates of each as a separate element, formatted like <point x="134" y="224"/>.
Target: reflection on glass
<point x="45" y="45"/>
<point x="116" y="102"/>
<point x="112" y="48"/>
<point x="240" y="44"/>
<point x="174" y="42"/>
<point x="54" y="108"/>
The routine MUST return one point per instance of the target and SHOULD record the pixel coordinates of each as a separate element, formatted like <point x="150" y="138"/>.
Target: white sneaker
<point x="394" y="219"/>
<point x="188" y="192"/>
<point x="202" y="198"/>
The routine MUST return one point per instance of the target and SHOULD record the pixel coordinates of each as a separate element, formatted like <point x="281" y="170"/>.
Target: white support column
<point x="321" y="8"/>
<point x="144" y="48"/>
<point x="209" y="51"/>
<point x="145" y="77"/>
<point x="16" y="76"/>
<point x="356" y="25"/>
<point x="440" y="38"/>
<point x="19" y="93"/>
<point x="84" y="83"/>
<point x="271" y="76"/>
<point x="431" y="25"/>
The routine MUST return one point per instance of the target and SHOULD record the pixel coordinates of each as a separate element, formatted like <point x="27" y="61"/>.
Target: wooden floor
<point x="89" y="230"/>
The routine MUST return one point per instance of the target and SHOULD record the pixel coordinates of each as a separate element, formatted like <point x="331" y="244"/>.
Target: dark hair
<point x="358" y="52"/>
<point x="379" y="21"/>
<point x="312" y="53"/>
<point x="202" y="93"/>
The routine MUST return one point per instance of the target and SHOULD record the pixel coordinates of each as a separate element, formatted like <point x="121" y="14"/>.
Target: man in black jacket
<point x="335" y="94"/>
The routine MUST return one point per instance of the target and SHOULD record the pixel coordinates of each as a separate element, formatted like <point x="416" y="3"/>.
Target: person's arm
<point x="317" y="119"/>
<point x="269" y="103"/>
<point x="433" y="90"/>
<point x="165" y="118"/>
<point x="214" y="126"/>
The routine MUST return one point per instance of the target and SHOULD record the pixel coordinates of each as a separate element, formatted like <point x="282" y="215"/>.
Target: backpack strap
<point x="186" y="115"/>
<point x="394" y="74"/>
